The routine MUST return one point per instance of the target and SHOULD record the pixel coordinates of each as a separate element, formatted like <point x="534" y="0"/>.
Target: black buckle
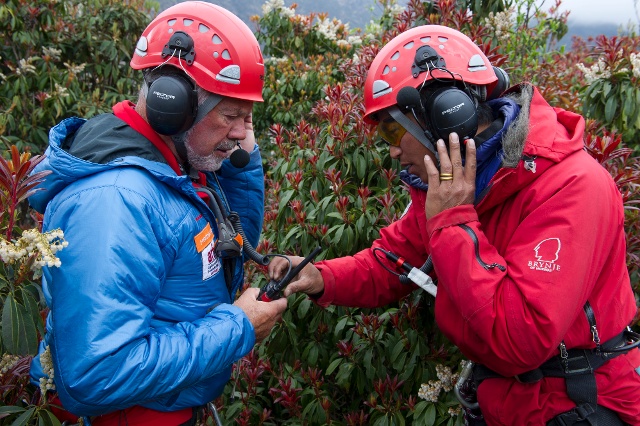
<point x="577" y="365"/>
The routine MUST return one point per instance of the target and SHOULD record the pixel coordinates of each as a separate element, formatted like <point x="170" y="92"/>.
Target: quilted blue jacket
<point x="140" y="314"/>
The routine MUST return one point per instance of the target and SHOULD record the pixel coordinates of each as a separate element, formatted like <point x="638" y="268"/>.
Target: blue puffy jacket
<point x="138" y="315"/>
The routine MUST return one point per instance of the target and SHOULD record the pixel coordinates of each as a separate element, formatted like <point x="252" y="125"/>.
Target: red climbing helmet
<point x="422" y="54"/>
<point x="212" y="45"/>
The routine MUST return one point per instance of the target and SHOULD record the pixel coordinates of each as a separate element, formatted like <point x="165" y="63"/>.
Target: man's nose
<point x="238" y="130"/>
<point x="395" y="151"/>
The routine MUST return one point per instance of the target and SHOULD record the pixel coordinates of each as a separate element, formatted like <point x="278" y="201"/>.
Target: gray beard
<point x="203" y="163"/>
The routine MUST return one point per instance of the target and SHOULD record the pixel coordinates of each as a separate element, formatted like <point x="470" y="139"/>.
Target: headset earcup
<point x="503" y="83"/>
<point x="171" y="105"/>
<point x="449" y="110"/>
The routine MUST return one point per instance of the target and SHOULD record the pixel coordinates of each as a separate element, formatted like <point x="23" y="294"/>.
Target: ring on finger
<point x="446" y="176"/>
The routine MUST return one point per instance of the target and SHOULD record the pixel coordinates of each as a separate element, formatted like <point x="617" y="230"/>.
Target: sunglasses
<point x="391" y="131"/>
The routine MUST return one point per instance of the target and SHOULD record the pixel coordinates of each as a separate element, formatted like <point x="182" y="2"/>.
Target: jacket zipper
<point x="476" y="243"/>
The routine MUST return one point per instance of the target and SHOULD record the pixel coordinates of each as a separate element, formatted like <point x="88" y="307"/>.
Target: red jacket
<point x="559" y="234"/>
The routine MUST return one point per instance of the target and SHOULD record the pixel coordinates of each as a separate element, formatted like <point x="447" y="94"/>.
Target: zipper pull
<point x="564" y="356"/>
<point x="529" y="163"/>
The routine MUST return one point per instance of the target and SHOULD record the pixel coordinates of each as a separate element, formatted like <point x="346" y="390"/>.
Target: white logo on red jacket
<point x="546" y="253"/>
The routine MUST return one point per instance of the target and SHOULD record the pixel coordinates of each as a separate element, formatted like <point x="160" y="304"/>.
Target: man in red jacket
<point x="524" y="229"/>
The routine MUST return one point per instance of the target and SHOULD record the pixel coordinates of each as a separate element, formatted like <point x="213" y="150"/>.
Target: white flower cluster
<point x="274" y="60"/>
<point x="455" y="411"/>
<point x="272" y="5"/>
<point x="52" y="52"/>
<point x="350" y="41"/>
<point x="634" y="58"/>
<point x="75" y="69"/>
<point x="24" y="67"/>
<point x="396" y="9"/>
<point x="61" y="91"/>
<point x="446" y="380"/>
<point x="47" y="367"/>
<point x="43" y="246"/>
<point x="430" y="391"/>
<point x="446" y="377"/>
<point x="501" y="24"/>
<point x="7" y="362"/>
<point x="329" y="28"/>
<point x="278" y="5"/>
<point x="596" y="71"/>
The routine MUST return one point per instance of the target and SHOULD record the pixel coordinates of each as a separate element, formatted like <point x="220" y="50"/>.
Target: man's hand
<point x="308" y="281"/>
<point x="452" y="185"/>
<point x="249" y="142"/>
<point x="263" y="315"/>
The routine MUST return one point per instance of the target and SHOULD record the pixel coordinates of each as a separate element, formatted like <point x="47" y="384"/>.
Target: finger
<point x="295" y="287"/>
<point x="455" y="157"/>
<point x="277" y="267"/>
<point x="432" y="172"/>
<point x="445" y="163"/>
<point x="280" y="305"/>
<point x="470" y="162"/>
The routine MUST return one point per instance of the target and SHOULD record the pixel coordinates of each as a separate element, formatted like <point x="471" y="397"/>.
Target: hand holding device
<point x="273" y="290"/>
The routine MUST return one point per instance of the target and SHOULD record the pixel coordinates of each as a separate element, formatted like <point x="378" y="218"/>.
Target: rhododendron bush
<point x="329" y="182"/>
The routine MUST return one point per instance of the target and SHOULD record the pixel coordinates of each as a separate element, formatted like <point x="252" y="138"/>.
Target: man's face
<point x="409" y="151"/>
<point x="210" y="141"/>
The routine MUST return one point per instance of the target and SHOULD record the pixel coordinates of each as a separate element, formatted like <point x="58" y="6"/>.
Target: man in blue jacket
<point x="143" y="324"/>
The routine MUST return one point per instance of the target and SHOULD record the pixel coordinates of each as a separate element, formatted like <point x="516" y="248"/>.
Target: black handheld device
<point x="273" y="290"/>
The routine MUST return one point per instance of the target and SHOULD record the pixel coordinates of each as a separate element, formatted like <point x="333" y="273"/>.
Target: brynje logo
<point x="453" y="109"/>
<point x="546" y="253"/>
<point x="163" y="95"/>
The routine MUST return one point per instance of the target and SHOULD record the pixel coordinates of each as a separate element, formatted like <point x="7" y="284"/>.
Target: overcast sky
<point x="603" y="11"/>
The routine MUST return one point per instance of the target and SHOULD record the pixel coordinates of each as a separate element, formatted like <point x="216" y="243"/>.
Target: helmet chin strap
<point x="415" y="130"/>
<point x="203" y="109"/>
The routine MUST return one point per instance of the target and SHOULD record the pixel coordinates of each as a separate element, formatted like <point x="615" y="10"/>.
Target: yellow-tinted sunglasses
<point x="391" y="131"/>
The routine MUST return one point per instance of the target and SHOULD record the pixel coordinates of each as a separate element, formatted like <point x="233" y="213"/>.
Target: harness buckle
<point x="577" y="364"/>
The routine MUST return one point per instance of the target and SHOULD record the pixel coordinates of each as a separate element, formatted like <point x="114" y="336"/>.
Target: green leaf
<point x="24" y="417"/>
<point x="11" y="409"/>
<point x="610" y="109"/>
<point x="18" y="331"/>
<point x="430" y="416"/>
<point x="334" y="364"/>
<point x="33" y="309"/>
<point x="341" y="324"/>
<point x="303" y="307"/>
<point x="397" y="349"/>
<point x="46" y="418"/>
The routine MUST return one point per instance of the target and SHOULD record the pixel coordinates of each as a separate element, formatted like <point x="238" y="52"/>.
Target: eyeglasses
<point x="391" y="131"/>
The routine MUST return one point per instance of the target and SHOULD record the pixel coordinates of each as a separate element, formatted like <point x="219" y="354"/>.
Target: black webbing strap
<point x="577" y="362"/>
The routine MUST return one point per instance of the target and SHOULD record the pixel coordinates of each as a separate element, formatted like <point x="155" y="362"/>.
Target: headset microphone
<point x="409" y="98"/>
<point x="239" y="158"/>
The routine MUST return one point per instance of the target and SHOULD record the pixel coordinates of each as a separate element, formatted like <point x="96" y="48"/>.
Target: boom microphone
<point x="409" y="98"/>
<point x="239" y="158"/>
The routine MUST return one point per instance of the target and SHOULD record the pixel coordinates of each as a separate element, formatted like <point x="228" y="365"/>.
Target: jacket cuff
<point x="329" y="287"/>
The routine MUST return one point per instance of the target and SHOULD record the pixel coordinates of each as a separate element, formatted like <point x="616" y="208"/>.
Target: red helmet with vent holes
<point x="402" y="63"/>
<point x="212" y="45"/>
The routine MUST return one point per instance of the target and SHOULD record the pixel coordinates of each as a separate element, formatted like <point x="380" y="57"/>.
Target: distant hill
<point x="358" y="13"/>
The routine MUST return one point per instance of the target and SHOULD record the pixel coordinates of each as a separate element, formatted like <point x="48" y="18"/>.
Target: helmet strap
<point x="415" y="130"/>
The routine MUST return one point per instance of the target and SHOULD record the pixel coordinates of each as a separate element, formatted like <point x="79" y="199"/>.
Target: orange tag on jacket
<point x="204" y="238"/>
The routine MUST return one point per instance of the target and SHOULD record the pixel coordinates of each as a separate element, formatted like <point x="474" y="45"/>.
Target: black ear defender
<point x="172" y="104"/>
<point x="172" y="100"/>
<point x="449" y="109"/>
<point x="504" y="82"/>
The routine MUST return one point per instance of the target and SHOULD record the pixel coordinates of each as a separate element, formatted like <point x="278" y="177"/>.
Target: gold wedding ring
<point x="446" y="176"/>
